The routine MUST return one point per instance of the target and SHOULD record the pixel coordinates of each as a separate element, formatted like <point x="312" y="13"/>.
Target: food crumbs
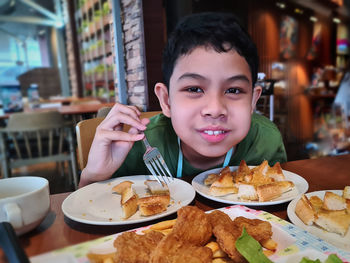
<point x="90" y="201"/>
<point x="84" y="214"/>
<point x="110" y="219"/>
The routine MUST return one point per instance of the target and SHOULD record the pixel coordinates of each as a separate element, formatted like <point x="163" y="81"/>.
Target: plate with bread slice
<point x="325" y="214"/>
<point x="250" y="185"/>
<point x="127" y="200"/>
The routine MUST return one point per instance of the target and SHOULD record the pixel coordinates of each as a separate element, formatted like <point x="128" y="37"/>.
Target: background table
<point x="57" y="231"/>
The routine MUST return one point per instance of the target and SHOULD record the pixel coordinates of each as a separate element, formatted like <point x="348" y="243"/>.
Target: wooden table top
<point x="74" y="109"/>
<point x="57" y="231"/>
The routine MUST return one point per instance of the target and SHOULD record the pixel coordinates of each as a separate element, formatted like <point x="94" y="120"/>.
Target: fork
<point x="156" y="164"/>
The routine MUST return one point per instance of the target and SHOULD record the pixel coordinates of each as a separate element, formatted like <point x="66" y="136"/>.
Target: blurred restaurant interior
<point x="60" y="53"/>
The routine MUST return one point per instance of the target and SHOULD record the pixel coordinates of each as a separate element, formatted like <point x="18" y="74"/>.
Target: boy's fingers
<point x="125" y="109"/>
<point x="119" y="119"/>
<point x="121" y="136"/>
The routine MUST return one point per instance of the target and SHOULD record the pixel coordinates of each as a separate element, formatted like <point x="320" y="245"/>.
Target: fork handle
<point x="145" y="141"/>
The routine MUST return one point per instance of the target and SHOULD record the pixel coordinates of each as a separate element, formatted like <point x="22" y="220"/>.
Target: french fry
<point x="100" y="258"/>
<point x="217" y="251"/>
<point x="163" y="225"/>
<point x="108" y="260"/>
<point x="268" y="252"/>
<point x="213" y="246"/>
<point x="222" y="260"/>
<point x="269" y="244"/>
<point x="163" y="231"/>
<point x="219" y="254"/>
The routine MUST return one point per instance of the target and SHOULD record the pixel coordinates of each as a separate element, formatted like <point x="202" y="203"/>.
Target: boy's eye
<point x="233" y="91"/>
<point x="194" y="89"/>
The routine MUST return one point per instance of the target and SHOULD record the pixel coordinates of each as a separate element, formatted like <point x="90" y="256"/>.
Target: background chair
<point x="33" y="138"/>
<point x="85" y="131"/>
<point x="265" y="104"/>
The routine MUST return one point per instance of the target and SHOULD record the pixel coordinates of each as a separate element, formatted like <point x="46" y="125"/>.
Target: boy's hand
<point x="111" y="144"/>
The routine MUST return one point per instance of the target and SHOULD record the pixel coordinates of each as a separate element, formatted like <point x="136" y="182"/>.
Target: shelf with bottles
<point x="96" y="48"/>
<point x="99" y="70"/>
<point x="91" y="20"/>
<point x="99" y="91"/>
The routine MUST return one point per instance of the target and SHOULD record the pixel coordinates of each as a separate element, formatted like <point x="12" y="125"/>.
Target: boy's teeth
<point x="213" y="132"/>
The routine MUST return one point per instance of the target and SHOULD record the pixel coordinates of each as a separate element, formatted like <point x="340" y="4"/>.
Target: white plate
<point x="300" y="183"/>
<point x="96" y="204"/>
<point x="333" y="238"/>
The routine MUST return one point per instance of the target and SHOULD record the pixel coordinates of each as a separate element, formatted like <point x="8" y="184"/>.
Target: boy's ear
<point x="256" y="95"/>
<point x="163" y="96"/>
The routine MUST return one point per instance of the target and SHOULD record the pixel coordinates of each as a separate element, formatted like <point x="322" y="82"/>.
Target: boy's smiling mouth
<point x="213" y="135"/>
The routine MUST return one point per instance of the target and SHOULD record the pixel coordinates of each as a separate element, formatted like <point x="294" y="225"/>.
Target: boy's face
<point x="210" y="101"/>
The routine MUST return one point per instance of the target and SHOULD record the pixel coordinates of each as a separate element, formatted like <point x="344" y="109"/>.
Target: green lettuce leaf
<point x="250" y="249"/>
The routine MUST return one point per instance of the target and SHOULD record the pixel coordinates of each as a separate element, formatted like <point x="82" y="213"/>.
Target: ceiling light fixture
<point x="336" y="20"/>
<point x="299" y="11"/>
<point x="313" y="19"/>
<point x="281" y="5"/>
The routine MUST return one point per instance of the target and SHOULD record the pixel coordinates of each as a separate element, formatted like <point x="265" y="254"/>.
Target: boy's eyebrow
<point x="238" y="77"/>
<point x="198" y="76"/>
<point x="192" y="76"/>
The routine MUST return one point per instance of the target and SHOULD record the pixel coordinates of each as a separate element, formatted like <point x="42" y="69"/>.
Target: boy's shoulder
<point x="159" y="120"/>
<point x="261" y="122"/>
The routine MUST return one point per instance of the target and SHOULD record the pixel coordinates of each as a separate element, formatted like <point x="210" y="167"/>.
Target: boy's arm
<point x="111" y="144"/>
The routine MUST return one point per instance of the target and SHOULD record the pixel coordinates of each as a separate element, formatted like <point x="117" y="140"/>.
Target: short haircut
<point x="220" y="31"/>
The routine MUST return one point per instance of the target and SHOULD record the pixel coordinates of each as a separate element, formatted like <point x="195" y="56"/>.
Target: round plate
<point x="332" y="238"/>
<point x="300" y="183"/>
<point x="97" y="204"/>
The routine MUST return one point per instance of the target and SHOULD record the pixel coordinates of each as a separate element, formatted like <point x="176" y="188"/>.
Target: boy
<point x="210" y="66"/>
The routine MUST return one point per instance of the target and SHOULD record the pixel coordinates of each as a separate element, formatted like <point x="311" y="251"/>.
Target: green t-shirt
<point x="263" y="142"/>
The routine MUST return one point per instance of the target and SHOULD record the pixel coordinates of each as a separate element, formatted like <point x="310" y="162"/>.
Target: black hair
<point x="220" y="31"/>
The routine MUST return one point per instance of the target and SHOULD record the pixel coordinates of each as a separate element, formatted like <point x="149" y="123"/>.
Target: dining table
<point x="70" y="110"/>
<point x="58" y="231"/>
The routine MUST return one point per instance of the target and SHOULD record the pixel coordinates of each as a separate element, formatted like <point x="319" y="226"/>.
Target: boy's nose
<point x="214" y="107"/>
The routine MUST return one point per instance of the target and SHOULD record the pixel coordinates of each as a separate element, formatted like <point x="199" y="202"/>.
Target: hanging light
<point x="281" y="5"/>
<point x="313" y="18"/>
<point x="336" y="20"/>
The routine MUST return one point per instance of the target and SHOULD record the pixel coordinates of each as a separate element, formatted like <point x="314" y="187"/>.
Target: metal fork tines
<point x="156" y="164"/>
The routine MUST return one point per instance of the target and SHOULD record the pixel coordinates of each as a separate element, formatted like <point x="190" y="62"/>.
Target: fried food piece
<point x="226" y="238"/>
<point x="226" y="234"/>
<point x="260" y="230"/>
<point x="173" y="249"/>
<point x="220" y="218"/>
<point x="129" y="242"/>
<point x="193" y="226"/>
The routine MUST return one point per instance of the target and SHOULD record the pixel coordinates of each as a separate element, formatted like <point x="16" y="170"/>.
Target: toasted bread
<point x="156" y="188"/>
<point x="348" y="205"/>
<point x="332" y="201"/>
<point x="211" y="178"/>
<point x="154" y="204"/>
<point x="225" y="179"/>
<point x="333" y="221"/>
<point x="305" y="211"/>
<point x="273" y="190"/>
<point x="346" y="192"/>
<point x="275" y="172"/>
<point x="247" y="192"/>
<point x="129" y="202"/>
<point x="316" y="203"/>
<point x="221" y="191"/>
<point x="119" y="188"/>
